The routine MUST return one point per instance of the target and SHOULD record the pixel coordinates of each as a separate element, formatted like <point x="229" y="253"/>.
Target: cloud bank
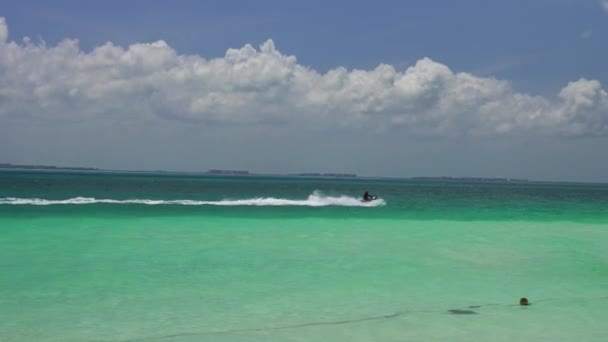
<point x="151" y="81"/>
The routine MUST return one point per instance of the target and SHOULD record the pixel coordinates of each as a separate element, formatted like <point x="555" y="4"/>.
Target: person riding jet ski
<point x="367" y="197"/>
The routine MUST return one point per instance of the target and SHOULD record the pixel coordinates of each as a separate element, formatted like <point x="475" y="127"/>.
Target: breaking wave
<point x="316" y="199"/>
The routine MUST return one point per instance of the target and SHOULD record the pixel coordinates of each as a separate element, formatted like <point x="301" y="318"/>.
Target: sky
<point x="514" y="89"/>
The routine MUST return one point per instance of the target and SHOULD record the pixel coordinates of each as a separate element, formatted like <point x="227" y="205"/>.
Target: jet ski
<point x="368" y="198"/>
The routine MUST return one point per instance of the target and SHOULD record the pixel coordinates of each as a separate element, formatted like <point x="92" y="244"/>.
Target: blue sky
<point x="536" y="44"/>
<point x="518" y="54"/>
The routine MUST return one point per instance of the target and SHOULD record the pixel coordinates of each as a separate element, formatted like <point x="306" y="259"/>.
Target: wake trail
<point x="316" y="199"/>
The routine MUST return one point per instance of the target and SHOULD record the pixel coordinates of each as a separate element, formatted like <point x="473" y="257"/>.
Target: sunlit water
<point x="115" y="257"/>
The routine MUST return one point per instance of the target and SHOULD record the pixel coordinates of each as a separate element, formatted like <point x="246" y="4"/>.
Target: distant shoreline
<point x="473" y="179"/>
<point x="45" y="167"/>
<point x="319" y="175"/>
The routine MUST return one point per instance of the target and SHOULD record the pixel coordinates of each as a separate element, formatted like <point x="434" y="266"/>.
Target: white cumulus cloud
<point x="3" y="30"/>
<point x="151" y="81"/>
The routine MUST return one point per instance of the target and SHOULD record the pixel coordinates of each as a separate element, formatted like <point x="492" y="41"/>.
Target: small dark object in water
<point x="474" y="306"/>
<point x="524" y="301"/>
<point x="462" y="312"/>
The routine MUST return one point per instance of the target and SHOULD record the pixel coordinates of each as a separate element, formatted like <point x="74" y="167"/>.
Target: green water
<point x="168" y="272"/>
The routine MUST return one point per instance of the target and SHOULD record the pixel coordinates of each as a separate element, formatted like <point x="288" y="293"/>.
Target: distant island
<point x="45" y="167"/>
<point x="318" y="174"/>
<point x="227" y="172"/>
<point x="305" y="174"/>
<point x="471" y="179"/>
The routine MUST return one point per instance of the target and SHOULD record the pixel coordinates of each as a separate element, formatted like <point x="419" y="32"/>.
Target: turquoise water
<point x="194" y="258"/>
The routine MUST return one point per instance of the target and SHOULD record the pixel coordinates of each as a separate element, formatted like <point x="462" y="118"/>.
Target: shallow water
<point x="437" y="262"/>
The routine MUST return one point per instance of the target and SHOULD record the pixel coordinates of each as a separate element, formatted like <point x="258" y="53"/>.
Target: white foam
<point x="316" y="199"/>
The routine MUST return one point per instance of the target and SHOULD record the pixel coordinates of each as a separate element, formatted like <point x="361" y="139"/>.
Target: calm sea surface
<point x="166" y="257"/>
